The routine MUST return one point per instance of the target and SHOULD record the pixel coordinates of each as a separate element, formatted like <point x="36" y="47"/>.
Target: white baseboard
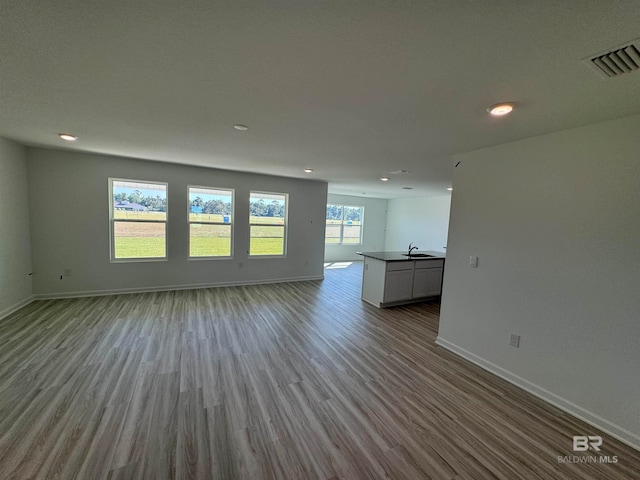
<point x="13" y="308"/>
<point x="591" y="418"/>
<point x="164" y="288"/>
<point x="355" y="258"/>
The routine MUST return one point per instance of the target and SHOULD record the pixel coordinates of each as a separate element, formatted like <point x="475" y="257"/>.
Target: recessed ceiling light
<point x="308" y="170"/>
<point x="242" y="128"/>
<point x="68" y="137"/>
<point x="384" y="179"/>
<point x="450" y="188"/>
<point x="500" y="109"/>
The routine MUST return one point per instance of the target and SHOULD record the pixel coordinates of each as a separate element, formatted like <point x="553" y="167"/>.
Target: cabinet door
<point x="427" y="282"/>
<point x="398" y="285"/>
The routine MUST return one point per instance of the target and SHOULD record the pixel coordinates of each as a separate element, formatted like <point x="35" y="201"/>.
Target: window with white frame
<point x="138" y="220"/>
<point x="344" y="225"/>
<point x="210" y="222"/>
<point x="268" y="224"/>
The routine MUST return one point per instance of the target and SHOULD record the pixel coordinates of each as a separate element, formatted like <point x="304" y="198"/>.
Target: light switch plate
<point x="473" y="262"/>
<point x="514" y="341"/>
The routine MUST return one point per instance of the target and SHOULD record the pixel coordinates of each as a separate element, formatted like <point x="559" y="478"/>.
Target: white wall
<point x="15" y="244"/>
<point x="423" y="221"/>
<point x="555" y="222"/>
<point x="375" y="219"/>
<point x="70" y="226"/>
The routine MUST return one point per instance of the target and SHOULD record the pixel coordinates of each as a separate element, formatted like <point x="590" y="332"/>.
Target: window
<point x="267" y="223"/>
<point x="210" y="222"/>
<point x="138" y="212"/>
<point x="344" y="225"/>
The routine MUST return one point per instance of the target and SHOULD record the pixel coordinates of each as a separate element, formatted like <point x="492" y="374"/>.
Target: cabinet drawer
<point x="438" y="263"/>
<point x="401" y="265"/>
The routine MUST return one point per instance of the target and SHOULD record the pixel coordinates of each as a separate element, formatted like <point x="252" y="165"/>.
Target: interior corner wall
<point x="423" y="221"/>
<point x="15" y="243"/>
<point x="554" y="222"/>
<point x="373" y="233"/>
<point x="70" y="227"/>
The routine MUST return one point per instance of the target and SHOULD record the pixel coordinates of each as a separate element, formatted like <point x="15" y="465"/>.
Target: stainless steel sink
<point x="421" y="255"/>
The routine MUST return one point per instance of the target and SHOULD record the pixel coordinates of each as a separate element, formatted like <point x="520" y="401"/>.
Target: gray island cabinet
<point x="393" y="278"/>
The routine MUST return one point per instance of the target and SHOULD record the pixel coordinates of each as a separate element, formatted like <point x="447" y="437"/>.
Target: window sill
<point x="191" y="259"/>
<point x="138" y="260"/>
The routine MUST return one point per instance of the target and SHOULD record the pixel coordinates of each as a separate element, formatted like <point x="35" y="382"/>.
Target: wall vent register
<point x="624" y="59"/>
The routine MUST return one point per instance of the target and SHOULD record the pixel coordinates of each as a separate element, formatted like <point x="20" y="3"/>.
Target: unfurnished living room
<point x="320" y="240"/>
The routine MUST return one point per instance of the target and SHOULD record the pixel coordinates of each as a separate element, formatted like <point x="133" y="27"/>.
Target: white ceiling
<point x="353" y="89"/>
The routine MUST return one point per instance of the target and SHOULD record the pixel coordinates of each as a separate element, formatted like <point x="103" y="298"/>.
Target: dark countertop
<point x="399" y="257"/>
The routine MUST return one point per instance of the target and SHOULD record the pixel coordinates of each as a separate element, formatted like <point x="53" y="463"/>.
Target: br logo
<point x="583" y="443"/>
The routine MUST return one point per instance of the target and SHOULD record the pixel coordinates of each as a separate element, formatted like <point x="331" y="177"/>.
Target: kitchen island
<point x="395" y="278"/>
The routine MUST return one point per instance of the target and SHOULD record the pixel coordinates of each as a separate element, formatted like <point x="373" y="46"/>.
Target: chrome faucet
<point x="411" y="248"/>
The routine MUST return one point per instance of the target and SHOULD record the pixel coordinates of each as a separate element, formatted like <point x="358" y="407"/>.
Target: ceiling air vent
<point x="622" y="60"/>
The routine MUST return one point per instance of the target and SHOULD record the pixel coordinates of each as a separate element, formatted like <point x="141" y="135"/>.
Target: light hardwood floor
<point x="284" y="381"/>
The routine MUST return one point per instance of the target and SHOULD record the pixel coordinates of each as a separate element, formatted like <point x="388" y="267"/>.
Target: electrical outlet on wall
<point x="514" y="340"/>
<point x="67" y="272"/>
<point x="473" y="262"/>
